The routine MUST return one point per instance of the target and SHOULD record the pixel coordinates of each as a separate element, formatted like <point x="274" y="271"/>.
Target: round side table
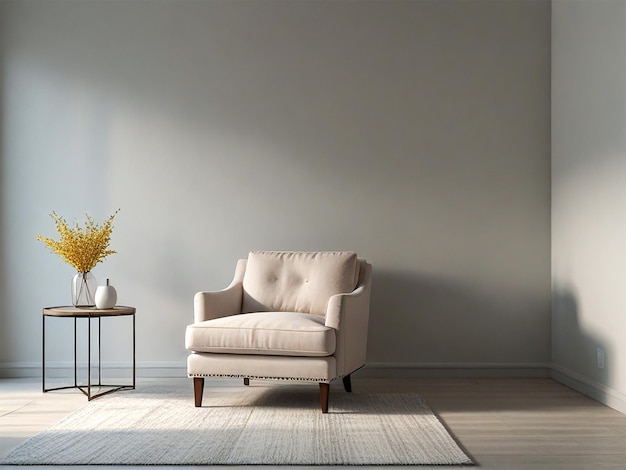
<point x="88" y="313"/>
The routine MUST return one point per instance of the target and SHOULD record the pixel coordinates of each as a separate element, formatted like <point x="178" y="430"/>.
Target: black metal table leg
<point x="99" y="352"/>
<point x="89" y="358"/>
<point x="134" y="348"/>
<point x="75" y="356"/>
<point x="43" y="354"/>
<point x="88" y="313"/>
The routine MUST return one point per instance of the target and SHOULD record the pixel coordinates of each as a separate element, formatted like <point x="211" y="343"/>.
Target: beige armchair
<point x="287" y="316"/>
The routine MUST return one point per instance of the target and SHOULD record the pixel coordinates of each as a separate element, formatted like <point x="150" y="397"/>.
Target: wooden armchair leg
<point x="198" y="388"/>
<point x="347" y="383"/>
<point x="324" y="392"/>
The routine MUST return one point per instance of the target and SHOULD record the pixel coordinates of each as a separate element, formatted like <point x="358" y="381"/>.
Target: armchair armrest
<point x="348" y="314"/>
<point x="340" y="305"/>
<point x="223" y="303"/>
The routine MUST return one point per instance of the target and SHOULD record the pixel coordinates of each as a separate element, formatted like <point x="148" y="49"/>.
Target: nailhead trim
<point x="233" y="376"/>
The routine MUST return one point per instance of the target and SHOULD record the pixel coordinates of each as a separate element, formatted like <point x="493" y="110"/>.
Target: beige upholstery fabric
<point x="297" y="281"/>
<point x="350" y="314"/>
<point x="308" y="369"/>
<point x="271" y="333"/>
<point x="282" y="340"/>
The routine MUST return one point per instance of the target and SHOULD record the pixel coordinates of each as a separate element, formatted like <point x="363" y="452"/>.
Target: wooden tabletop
<point x="71" y="311"/>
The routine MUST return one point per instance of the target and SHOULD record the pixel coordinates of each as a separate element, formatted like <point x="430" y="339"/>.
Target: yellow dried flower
<point x="82" y="247"/>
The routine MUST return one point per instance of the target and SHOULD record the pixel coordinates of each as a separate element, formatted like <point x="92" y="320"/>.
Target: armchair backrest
<point x="295" y="281"/>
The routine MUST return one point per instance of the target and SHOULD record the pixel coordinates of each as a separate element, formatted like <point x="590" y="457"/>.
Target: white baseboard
<point x="592" y="388"/>
<point x="371" y="370"/>
<point x="457" y="369"/>
<point x="18" y="370"/>
<point x="110" y="369"/>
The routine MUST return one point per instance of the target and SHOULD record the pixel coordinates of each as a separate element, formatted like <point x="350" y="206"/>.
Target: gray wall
<point x="414" y="132"/>
<point x="589" y="196"/>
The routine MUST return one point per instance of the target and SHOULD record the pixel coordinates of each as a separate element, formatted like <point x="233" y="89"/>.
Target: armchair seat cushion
<point x="266" y="333"/>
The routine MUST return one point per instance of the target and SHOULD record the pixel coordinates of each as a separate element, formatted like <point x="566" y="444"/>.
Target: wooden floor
<point x="501" y="423"/>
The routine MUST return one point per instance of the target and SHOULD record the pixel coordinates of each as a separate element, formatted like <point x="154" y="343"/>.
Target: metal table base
<point x="90" y="314"/>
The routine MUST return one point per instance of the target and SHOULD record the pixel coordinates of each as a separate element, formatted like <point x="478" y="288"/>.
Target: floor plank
<point x="518" y="423"/>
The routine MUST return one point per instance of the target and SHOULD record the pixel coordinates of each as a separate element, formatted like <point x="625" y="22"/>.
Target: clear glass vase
<point x="84" y="287"/>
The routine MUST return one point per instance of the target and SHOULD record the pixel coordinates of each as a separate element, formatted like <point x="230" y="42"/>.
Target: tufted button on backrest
<point x="296" y="281"/>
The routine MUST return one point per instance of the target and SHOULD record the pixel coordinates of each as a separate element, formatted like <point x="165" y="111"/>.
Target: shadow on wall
<point x="418" y="318"/>
<point x="579" y="354"/>
<point x="4" y="330"/>
<point x="4" y="327"/>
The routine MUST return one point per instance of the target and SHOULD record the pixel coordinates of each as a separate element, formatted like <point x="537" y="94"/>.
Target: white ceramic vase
<point x="106" y="296"/>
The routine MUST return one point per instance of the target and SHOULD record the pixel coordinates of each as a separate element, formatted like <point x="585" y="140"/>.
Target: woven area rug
<point x="264" y="425"/>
